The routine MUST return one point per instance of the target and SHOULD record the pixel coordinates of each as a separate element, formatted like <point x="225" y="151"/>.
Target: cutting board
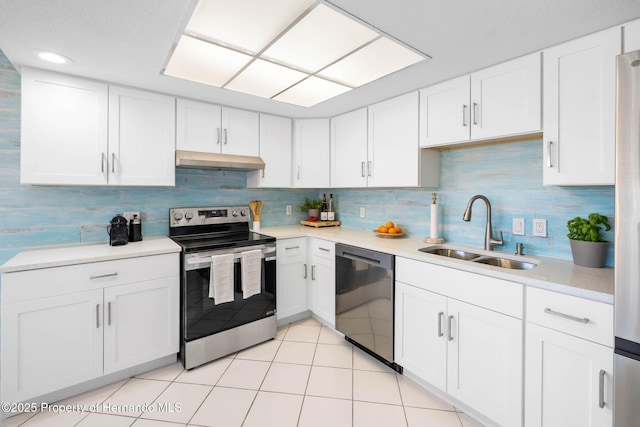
<point x="320" y="223"/>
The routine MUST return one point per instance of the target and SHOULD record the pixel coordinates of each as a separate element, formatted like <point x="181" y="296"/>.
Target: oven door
<point x="201" y="317"/>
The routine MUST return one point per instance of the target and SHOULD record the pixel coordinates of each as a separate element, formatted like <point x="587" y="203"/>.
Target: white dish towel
<point x="251" y="272"/>
<point x="221" y="279"/>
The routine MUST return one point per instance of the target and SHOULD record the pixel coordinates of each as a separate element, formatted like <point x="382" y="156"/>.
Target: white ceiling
<point x="128" y="42"/>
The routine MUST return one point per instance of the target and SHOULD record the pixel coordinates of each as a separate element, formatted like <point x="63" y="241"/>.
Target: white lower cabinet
<point x="322" y="296"/>
<point x="291" y="273"/>
<point x="63" y="326"/>
<point x="471" y="352"/>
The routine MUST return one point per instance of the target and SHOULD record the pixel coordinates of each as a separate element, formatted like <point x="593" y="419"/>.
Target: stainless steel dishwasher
<point x="364" y="300"/>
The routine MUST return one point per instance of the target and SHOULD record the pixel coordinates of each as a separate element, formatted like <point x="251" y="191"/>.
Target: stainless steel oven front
<point x="210" y="331"/>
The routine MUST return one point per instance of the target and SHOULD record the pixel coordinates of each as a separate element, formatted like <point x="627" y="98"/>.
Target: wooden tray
<point x="320" y="223"/>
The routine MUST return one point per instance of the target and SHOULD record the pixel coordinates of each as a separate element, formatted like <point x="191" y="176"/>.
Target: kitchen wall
<point x="510" y="175"/>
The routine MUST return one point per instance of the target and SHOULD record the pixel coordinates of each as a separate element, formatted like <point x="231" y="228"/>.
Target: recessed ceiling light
<point x="296" y="51"/>
<point x="54" y="58"/>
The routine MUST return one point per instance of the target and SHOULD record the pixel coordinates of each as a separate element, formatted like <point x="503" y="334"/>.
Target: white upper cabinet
<point x="64" y="130"/>
<point x="499" y="101"/>
<point x="394" y="158"/>
<point x="141" y="137"/>
<point x="311" y="153"/>
<point x="579" y="110"/>
<point x="276" y="148"/>
<point x="632" y="36"/>
<point x="210" y="128"/>
<point x="349" y="150"/>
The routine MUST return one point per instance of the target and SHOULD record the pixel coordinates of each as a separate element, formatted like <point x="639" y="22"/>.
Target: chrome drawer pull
<point x="601" y="402"/>
<point x="292" y="247"/>
<point x="102" y="276"/>
<point x="440" y="316"/>
<point x="324" y="249"/>
<point x="566" y="316"/>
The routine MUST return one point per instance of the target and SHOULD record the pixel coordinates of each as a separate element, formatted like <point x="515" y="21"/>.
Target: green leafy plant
<point x="588" y="230"/>
<point x="310" y="204"/>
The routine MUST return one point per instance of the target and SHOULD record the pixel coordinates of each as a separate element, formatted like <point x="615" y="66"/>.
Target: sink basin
<point x="496" y="261"/>
<point x="450" y="253"/>
<point x="505" y="263"/>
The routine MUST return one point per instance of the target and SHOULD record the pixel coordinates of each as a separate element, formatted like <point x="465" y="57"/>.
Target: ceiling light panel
<point x="311" y="91"/>
<point x="320" y="38"/>
<point x="246" y="24"/>
<point x="376" y="60"/>
<point x="204" y="62"/>
<point x="263" y="78"/>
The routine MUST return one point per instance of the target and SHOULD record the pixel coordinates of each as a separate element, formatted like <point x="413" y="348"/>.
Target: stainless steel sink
<point x="450" y="253"/>
<point x="505" y="263"/>
<point x="496" y="261"/>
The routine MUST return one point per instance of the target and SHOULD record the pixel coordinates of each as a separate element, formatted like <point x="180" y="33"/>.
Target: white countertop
<point x="57" y="256"/>
<point x="553" y="274"/>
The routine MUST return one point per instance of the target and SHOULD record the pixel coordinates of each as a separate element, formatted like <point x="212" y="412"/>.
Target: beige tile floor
<point x="308" y="376"/>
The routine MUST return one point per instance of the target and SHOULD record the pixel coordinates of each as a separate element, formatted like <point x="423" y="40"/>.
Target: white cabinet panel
<point x="240" y="132"/>
<point x="63" y="130"/>
<point x="276" y="149"/>
<point x="312" y="153"/>
<point x="141" y="138"/>
<point x="51" y="343"/>
<point x="323" y="280"/>
<point x="349" y="163"/>
<point x="563" y="381"/>
<point x="198" y="126"/>
<point x="632" y="36"/>
<point x="291" y="273"/>
<point x="579" y="110"/>
<point x="444" y="112"/>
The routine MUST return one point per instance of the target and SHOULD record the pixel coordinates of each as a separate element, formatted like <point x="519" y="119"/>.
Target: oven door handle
<point x="236" y="259"/>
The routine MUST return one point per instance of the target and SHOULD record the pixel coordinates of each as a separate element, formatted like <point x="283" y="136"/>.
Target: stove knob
<point x="188" y="215"/>
<point x="243" y="212"/>
<point x="177" y="216"/>
<point x="234" y="212"/>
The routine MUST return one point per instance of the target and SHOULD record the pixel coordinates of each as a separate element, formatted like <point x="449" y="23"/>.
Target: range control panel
<point x="183" y="217"/>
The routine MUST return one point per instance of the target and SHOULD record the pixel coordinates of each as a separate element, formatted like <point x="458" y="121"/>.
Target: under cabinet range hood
<point x="200" y="160"/>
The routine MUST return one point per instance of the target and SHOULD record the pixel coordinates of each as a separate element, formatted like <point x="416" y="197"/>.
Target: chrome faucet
<point x="489" y="241"/>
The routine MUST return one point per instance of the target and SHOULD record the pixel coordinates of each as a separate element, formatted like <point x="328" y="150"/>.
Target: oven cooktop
<point x="202" y="242"/>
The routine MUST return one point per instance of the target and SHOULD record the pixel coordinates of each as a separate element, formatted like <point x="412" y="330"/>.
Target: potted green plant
<point x="312" y="206"/>
<point x="588" y="246"/>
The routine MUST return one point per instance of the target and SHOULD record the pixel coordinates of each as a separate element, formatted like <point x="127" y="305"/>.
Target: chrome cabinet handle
<point x="549" y="144"/>
<point x="102" y="276"/>
<point x="298" y="173"/>
<point x="325" y="249"/>
<point x="450" y="335"/>
<point x="362" y="169"/>
<point x="440" y="316"/>
<point x="113" y="162"/>
<point x="474" y="113"/>
<point x="313" y="272"/>
<point x="218" y="132"/>
<point x="566" y="316"/>
<point x="305" y="271"/>
<point x="109" y="313"/>
<point x="601" y="401"/>
<point x="369" y="168"/>
<point x="102" y="162"/>
<point x="292" y="247"/>
<point x="225" y="137"/>
<point x="464" y="115"/>
<point x="98" y="316"/>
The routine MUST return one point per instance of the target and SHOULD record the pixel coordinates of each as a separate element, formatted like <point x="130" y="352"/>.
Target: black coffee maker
<point x="135" y="229"/>
<point x="117" y="230"/>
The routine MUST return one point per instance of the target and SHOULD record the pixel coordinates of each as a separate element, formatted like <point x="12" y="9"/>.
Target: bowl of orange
<point x="389" y="230"/>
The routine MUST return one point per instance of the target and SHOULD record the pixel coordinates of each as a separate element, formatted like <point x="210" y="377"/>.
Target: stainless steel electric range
<point x="217" y="314"/>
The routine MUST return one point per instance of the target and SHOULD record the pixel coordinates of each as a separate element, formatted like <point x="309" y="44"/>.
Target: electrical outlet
<point x="517" y="229"/>
<point x="288" y="209"/>
<point x="362" y="213"/>
<point x="540" y="227"/>
<point x="129" y="215"/>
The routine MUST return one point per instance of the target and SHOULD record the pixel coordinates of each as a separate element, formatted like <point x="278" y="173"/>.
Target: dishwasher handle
<point x="354" y="253"/>
<point x="360" y="258"/>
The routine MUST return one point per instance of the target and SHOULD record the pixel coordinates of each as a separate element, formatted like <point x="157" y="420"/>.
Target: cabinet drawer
<point x="45" y="282"/>
<point x="323" y="249"/>
<point x="291" y="250"/>
<point x="580" y="317"/>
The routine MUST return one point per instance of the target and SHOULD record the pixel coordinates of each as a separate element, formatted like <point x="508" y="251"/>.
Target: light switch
<point x="517" y="228"/>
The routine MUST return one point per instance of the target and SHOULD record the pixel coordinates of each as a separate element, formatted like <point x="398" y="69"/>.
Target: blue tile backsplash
<point x="510" y="175"/>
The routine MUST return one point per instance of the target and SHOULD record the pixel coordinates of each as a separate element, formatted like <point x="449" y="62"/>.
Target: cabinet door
<point x="506" y="98"/>
<point x="420" y="335"/>
<point x="141" y="138"/>
<point x="198" y="126"/>
<point x="485" y="361"/>
<point x="291" y="273"/>
<point x="64" y="130"/>
<point x="632" y="36"/>
<point x="563" y="380"/>
<point x="579" y="110"/>
<point x="323" y="280"/>
<point x="141" y="322"/>
<point x="393" y="142"/>
<point x="51" y="343"/>
<point x="276" y="148"/>
<point x="445" y="113"/>
<point x="240" y="132"/>
<point x="349" y="149"/>
<point x="311" y="147"/>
